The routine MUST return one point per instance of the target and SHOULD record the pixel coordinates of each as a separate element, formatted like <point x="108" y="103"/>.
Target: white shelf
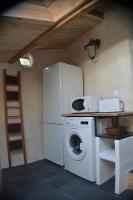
<point x="114" y="157"/>
<point x="108" y="154"/>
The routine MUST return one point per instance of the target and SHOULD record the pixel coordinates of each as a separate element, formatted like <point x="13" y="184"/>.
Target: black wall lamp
<point x="92" y="47"/>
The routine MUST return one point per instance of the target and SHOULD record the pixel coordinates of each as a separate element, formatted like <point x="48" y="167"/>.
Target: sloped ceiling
<point x="45" y="3"/>
<point x="20" y="31"/>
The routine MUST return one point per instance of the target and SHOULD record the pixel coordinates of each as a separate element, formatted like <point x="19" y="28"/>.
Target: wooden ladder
<point x="130" y="180"/>
<point x="14" y="122"/>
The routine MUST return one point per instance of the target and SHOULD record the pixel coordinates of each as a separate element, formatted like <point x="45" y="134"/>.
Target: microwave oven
<point x="85" y="104"/>
<point x="111" y="105"/>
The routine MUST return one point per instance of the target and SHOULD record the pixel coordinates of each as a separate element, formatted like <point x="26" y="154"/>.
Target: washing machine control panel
<point x="82" y="122"/>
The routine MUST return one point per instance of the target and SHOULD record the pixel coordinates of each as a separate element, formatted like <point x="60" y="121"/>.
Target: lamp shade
<point x="91" y="47"/>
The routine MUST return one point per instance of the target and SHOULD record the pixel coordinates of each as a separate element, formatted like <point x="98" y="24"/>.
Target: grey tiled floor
<point x="44" y="180"/>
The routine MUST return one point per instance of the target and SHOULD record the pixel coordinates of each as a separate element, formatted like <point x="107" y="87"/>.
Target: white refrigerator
<point x="61" y="83"/>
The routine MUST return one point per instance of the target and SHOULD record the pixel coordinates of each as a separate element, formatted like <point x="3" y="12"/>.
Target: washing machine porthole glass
<point x="75" y="141"/>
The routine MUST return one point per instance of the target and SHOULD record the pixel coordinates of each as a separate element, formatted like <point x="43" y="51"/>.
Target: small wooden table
<point x="98" y="114"/>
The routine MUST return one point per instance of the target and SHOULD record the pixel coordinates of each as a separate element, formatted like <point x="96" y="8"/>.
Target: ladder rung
<point x="16" y="151"/>
<point x="13" y="107"/>
<point x="12" y="90"/>
<point x="11" y="117"/>
<point x="14" y="133"/>
<point x="14" y="138"/>
<point x="11" y="86"/>
<point x="13" y="101"/>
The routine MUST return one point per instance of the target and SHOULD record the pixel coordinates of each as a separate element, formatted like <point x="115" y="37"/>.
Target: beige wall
<point x="112" y="69"/>
<point x="32" y="105"/>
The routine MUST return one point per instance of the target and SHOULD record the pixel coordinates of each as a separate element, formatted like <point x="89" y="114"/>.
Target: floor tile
<point x="44" y="173"/>
<point x="43" y="165"/>
<point x="108" y="186"/>
<point x="77" y="191"/>
<point x="33" y="187"/>
<point x="15" y="171"/>
<point x="13" y="192"/>
<point x="56" y="196"/>
<point x="78" y="179"/>
<point x="128" y="195"/>
<point x="59" y="180"/>
<point x="100" y="195"/>
<point x="39" y="191"/>
<point x="25" y="181"/>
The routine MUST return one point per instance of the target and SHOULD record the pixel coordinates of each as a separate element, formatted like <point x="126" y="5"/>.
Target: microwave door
<point x="78" y="105"/>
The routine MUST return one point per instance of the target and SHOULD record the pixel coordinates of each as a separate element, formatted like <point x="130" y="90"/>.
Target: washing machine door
<point x="76" y="144"/>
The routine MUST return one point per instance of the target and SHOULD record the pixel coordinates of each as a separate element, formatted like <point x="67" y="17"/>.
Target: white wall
<point x="112" y="69"/>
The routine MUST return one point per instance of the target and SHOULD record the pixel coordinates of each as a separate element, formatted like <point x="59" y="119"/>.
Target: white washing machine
<point x="79" y="147"/>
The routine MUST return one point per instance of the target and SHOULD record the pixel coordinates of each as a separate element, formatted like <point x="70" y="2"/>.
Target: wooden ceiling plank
<point x="11" y="24"/>
<point x="5" y="51"/>
<point x="16" y="33"/>
<point x="45" y="3"/>
<point x="82" y="8"/>
<point x="60" y="8"/>
<point x="29" y="11"/>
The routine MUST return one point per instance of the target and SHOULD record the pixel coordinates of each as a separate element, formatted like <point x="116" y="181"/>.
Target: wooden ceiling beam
<point x="82" y="8"/>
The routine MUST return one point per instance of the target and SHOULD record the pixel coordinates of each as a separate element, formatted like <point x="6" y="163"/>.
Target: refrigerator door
<point x="53" y="143"/>
<point x="72" y="85"/>
<point x="52" y="94"/>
